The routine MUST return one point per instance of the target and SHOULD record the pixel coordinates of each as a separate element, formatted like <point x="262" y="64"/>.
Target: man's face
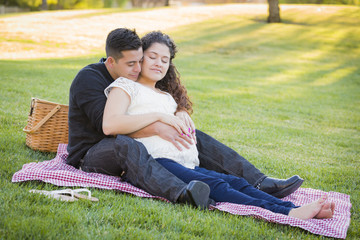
<point x="129" y="66"/>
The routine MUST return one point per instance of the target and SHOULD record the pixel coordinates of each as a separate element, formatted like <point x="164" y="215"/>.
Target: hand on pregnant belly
<point x="175" y="122"/>
<point x="160" y="148"/>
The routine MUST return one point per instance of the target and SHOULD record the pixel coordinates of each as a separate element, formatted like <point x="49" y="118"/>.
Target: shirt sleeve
<point x="129" y="86"/>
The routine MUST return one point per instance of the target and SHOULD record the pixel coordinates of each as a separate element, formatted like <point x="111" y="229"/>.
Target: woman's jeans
<point x="214" y="155"/>
<point x="125" y="157"/>
<point x="228" y="188"/>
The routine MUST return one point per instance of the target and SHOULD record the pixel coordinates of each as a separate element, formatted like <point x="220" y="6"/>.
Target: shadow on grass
<point x="261" y="46"/>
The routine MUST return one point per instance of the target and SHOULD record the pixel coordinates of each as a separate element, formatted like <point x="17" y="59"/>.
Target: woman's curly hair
<point x="171" y="82"/>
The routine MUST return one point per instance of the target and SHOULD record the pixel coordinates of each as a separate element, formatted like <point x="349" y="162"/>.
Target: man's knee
<point x="101" y="158"/>
<point x="127" y="148"/>
<point x="122" y="139"/>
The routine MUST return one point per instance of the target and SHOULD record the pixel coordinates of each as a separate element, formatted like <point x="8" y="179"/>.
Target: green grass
<point x="286" y="96"/>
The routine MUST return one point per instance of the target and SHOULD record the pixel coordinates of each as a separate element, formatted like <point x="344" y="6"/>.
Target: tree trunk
<point x="137" y="3"/>
<point x="167" y="3"/>
<point x="274" y="11"/>
<point x="44" y="5"/>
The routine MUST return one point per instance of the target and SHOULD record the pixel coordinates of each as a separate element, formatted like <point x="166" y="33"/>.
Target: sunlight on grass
<point x="236" y="92"/>
<point x="311" y="55"/>
<point x="334" y="76"/>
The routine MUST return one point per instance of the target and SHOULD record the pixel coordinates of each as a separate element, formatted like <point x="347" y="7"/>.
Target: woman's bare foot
<point x="333" y="207"/>
<point x="310" y="210"/>
<point x="327" y="210"/>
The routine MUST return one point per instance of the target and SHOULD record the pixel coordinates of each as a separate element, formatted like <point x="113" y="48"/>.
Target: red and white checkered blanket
<point x="57" y="172"/>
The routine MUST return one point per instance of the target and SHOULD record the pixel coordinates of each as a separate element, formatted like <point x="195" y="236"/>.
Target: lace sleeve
<point x="129" y="86"/>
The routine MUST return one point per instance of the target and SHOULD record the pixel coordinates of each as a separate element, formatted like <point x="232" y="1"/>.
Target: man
<point x="93" y="151"/>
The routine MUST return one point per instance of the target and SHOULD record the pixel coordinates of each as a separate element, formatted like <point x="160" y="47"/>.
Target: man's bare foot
<point x="327" y="210"/>
<point x="310" y="210"/>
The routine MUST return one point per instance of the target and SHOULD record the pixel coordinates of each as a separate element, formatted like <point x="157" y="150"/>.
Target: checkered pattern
<point x="335" y="227"/>
<point x="57" y="172"/>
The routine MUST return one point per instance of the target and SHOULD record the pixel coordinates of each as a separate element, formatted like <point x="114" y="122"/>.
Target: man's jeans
<point x="125" y="157"/>
<point x="214" y="155"/>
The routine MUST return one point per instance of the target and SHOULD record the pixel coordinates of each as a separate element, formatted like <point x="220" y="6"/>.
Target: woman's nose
<point x="158" y="62"/>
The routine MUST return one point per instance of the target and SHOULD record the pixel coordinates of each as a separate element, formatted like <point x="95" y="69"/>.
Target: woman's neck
<point x="146" y="82"/>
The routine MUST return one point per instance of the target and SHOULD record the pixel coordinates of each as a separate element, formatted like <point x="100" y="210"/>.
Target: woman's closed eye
<point x="165" y="61"/>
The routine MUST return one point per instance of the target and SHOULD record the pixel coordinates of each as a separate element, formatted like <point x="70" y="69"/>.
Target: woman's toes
<point x="332" y="207"/>
<point x="325" y="211"/>
<point x="322" y="199"/>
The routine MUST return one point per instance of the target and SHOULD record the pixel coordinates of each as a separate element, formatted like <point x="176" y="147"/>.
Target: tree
<point x="274" y="11"/>
<point x="44" y="5"/>
<point x="149" y="3"/>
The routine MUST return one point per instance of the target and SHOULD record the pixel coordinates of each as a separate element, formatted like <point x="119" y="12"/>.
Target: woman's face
<point x="156" y="62"/>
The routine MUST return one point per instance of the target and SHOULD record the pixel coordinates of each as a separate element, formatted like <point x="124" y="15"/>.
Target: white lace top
<point x="145" y="100"/>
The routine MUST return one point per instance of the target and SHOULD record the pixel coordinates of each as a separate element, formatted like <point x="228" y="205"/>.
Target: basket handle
<point x="49" y="115"/>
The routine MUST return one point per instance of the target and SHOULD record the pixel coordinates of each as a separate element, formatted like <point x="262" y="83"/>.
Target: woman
<point x="156" y="96"/>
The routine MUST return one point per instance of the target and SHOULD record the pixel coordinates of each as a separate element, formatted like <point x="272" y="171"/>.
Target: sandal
<point x="67" y="195"/>
<point x="81" y="196"/>
<point x="62" y="195"/>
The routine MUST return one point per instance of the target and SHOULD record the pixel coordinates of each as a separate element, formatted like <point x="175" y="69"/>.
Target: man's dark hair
<point x="121" y="39"/>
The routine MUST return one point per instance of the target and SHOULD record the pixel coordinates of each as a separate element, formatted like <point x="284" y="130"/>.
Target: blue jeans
<point x="125" y="157"/>
<point x="216" y="156"/>
<point x="228" y="188"/>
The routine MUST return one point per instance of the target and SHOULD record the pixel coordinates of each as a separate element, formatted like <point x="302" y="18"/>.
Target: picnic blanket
<point x="57" y="172"/>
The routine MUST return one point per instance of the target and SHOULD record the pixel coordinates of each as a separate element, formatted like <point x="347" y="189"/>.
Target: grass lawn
<point x="285" y="96"/>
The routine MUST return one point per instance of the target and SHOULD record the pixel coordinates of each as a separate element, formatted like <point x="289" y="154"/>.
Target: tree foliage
<point x="63" y="4"/>
<point x="344" y="2"/>
<point x="78" y="4"/>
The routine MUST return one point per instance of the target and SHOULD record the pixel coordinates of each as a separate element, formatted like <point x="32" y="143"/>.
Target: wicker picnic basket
<point x="47" y="125"/>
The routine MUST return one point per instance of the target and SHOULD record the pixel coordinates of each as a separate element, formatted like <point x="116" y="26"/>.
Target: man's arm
<point x="164" y="131"/>
<point x="87" y="95"/>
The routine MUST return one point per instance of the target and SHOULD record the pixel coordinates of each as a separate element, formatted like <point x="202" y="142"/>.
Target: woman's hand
<point x="190" y="126"/>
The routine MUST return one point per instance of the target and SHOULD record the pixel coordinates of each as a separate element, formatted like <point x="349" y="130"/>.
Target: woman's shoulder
<point x="122" y="80"/>
<point x="125" y="83"/>
<point x="129" y="86"/>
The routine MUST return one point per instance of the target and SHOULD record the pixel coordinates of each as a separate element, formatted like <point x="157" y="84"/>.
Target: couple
<point x="94" y="151"/>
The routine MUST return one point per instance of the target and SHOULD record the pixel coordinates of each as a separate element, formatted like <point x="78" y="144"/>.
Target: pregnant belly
<point x="160" y="148"/>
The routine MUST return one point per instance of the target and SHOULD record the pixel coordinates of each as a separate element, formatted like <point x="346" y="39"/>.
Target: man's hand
<point x="184" y="116"/>
<point x="166" y="132"/>
<point x="174" y="122"/>
<point x="170" y="134"/>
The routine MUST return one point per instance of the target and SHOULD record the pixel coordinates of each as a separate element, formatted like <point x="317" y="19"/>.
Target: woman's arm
<point x="117" y="121"/>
